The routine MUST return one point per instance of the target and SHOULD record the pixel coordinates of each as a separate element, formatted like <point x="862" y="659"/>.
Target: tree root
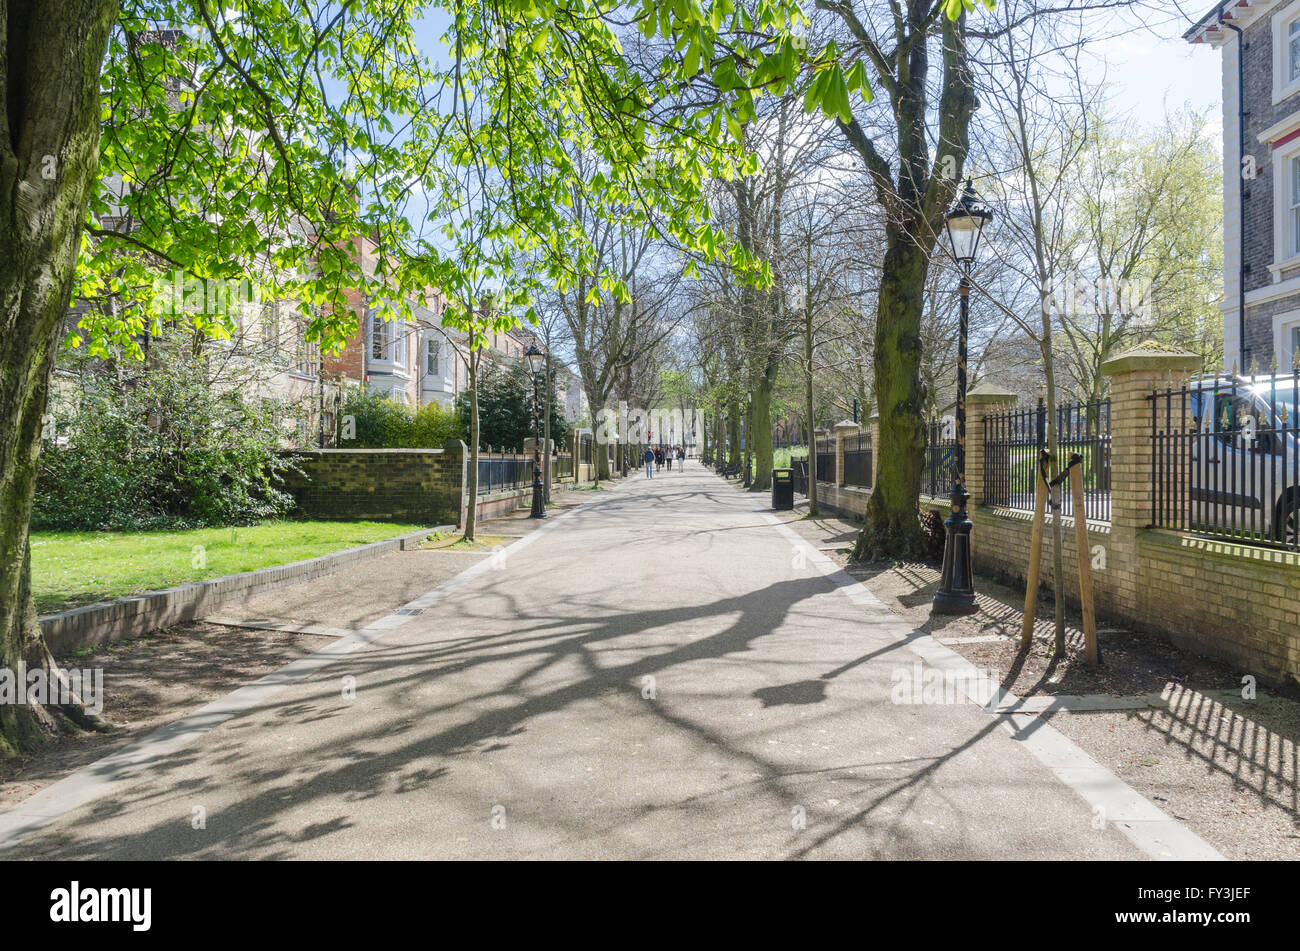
<point x="27" y="727"/>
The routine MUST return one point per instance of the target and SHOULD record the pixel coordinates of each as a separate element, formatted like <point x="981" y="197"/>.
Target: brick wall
<point x="1258" y="203"/>
<point x="399" y="485"/>
<point x="1258" y="206"/>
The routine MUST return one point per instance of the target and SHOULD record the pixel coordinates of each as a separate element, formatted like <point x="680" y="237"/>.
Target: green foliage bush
<point x="156" y="446"/>
<point x="434" y="424"/>
<point x="380" y="422"/>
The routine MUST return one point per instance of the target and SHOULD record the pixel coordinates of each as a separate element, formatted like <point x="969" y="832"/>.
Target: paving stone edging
<point x="142" y="613"/>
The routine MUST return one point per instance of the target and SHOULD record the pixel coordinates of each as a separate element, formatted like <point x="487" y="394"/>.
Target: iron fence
<point x="825" y="460"/>
<point x="562" y="465"/>
<point x="857" y="460"/>
<point x="800" y="467"/>
<point x="585" y="442"/>
<point x="1226" y="459"/>
<point x="502" y="471"/>
<point x="1014" y="439"/>
<point x="1083" y="429"/>
<point x="940" y="461"/>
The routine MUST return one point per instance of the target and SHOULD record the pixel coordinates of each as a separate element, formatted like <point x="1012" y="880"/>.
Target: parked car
<point x="1245" y="457"/>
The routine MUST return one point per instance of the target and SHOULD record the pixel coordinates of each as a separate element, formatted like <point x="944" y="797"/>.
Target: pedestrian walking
<point x="649" y="460"/>
<point x="681" y="458"/>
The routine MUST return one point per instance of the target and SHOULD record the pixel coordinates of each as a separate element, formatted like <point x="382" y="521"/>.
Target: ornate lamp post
<point x="956" y="594"/>
<point x="749" y="435"/>
<point x="535" y="362"/>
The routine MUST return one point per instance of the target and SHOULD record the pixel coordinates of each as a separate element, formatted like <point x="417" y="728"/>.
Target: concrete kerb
<point x="139" y="614"/>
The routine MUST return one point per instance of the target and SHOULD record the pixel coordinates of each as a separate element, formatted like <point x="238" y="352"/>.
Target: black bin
<point x="782" y="489"/>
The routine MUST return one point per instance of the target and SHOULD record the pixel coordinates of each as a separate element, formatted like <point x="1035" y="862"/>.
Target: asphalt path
<point x="662" y="672"/>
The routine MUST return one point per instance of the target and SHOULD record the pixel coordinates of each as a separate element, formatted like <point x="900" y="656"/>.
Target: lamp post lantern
<point x="535" y="361"/>
<point x="956" y="595"/>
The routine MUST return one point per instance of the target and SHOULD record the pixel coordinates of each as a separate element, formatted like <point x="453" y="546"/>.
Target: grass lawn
<point x="70" y="569"/>
<point x="783" y="458"/>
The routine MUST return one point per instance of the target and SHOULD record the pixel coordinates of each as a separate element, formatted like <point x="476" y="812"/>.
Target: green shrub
<point x="156" y="446"/>
<point x="435" y="425"/>
<point x="505" y="407"/>
<point x="372" y="420"/>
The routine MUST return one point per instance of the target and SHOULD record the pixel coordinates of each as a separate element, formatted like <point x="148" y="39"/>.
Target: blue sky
<point x="1151" y="64"/>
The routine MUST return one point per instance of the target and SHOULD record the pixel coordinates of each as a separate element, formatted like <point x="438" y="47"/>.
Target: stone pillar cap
<point x="1151" y="356"/>
<point x="987" y="392"/>
<point x="846" y="424"/>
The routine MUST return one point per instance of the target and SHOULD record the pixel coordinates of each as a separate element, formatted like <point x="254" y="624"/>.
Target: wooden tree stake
<point x="1085" y="562"/>
<point x="1035" y="549"/>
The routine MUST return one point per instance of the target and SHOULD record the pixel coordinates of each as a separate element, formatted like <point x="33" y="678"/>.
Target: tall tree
<point x="913" y="192"/>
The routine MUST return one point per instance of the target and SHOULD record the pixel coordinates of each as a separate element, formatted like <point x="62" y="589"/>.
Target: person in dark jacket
<point x="649" y="460"/>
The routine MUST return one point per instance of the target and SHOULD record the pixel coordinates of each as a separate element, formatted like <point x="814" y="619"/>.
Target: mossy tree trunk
<point x="892" y="524"/>
<point x="762" y="434"/>
<point x="913" y="199"/>
<point x="471" y="477"/>
<point x="51" y="52"/>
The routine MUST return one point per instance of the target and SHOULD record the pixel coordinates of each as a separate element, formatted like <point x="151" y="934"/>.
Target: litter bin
<point x="782" y="489"/>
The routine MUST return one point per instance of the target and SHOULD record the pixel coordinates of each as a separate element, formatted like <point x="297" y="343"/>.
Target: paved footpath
<point x="665" y="671"/>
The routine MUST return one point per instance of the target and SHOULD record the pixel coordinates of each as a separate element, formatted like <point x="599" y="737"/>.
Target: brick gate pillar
<point x="1134" y="375"/>
<point x="981" y="402"/>
<point x="843" y="429"/>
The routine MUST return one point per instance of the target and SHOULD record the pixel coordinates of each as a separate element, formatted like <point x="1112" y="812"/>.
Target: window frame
<point x="1284" y="86"/>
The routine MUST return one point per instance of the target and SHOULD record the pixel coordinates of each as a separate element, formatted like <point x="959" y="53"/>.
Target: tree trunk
<point x="471" y="483"/>
<point x="733" y="434"/>
<point x="49" y="158"/>
<point x="893" y="525"/>
<point x="810" y="408"/>
<point x="546" y="430"/>
<point x="762" y="434"/>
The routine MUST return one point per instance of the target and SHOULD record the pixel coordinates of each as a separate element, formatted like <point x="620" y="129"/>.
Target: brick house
<point x="417" y="361"/>
<point x="1259" y="43"/>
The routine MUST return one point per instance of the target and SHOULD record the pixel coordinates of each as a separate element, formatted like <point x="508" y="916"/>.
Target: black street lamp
<point x="749" y="435"/>
<point x="535" y="362"/>
<point x="956" y="594"/>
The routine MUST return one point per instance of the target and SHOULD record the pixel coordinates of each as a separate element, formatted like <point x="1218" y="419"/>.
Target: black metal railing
<point x="1012" y="442"/>
<point x="940" y="460"/>
<point x="562" y="465"/>
<point x="1014" y="439"/>
<point x="585" y="442"/>
<point x="1083" y="429"/>
<point x="1225" y="459"/>
<point x="825" y="460"/>
<point x="857" y="460"/>
<point x="800" y="467"/>
<point x="503" y="471"/>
